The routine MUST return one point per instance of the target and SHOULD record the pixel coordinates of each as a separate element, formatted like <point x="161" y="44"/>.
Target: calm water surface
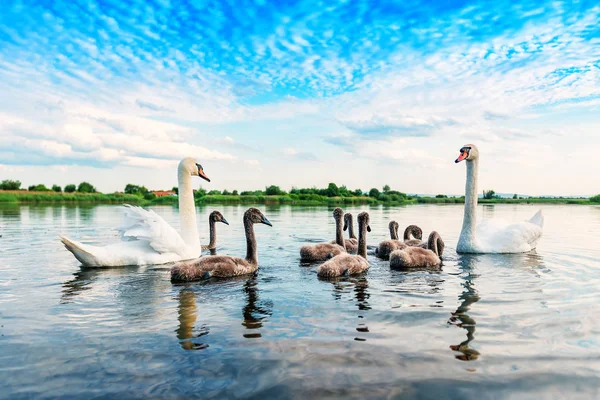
<point x="486" y="326"/>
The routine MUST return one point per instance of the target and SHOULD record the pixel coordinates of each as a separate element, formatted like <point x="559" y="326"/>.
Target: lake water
<point x="485" y="326"/>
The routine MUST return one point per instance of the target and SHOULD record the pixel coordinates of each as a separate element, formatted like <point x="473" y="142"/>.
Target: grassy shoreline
<point x="26" y="197"/>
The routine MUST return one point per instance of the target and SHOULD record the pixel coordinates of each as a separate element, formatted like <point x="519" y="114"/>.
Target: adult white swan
<point x="146" y="238"/>
<point x="492" y="235"/>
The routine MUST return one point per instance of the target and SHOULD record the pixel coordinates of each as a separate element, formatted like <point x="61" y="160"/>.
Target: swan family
<point x="147" y="239"/>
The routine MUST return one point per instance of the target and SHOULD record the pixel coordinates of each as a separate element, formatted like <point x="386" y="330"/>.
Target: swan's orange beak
<point x="463" y="155"/>
<point x="202" y="175"/>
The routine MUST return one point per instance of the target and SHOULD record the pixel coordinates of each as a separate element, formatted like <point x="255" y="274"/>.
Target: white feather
<point x="146" y="238"/>
<point x="492" y="235"/>
<point x="497" y="236"/>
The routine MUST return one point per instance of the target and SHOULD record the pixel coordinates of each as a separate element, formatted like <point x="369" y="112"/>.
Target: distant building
<point x="163" y="193"/>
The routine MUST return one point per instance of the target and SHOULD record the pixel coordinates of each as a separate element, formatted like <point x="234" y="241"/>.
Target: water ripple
<point x="503" y="325"/>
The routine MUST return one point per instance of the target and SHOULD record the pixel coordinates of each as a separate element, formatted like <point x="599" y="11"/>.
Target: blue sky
<point x="301" y="93"/>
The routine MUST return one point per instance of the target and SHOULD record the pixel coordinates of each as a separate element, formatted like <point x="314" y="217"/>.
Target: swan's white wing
<point x="141" y="224"/>
<point x="497" y="236"/>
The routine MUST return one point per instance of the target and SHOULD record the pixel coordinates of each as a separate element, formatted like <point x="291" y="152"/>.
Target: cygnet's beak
<point x="223" y="220"/>
<point x="266" y="221"/>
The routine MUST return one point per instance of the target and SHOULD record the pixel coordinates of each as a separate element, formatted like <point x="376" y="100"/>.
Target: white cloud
<point x="381" y="89"/>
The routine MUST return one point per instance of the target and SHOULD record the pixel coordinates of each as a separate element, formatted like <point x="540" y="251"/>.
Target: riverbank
<point x="26" y="197"/>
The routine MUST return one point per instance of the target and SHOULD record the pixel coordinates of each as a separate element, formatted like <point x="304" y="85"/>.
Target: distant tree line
<point x="83" y="187"/>
<point x="386" y="194"/>
<point x="332" y="190"/>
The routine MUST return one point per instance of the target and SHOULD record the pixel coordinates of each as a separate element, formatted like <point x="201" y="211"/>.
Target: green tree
<point x="274" y="191"/>
<point x="386" y="189"/>
<point x="489" y="194"/>
<point x="136" y="190"/>
<point x="85" y="187"/>
<point x="70" y="188"/>
<point x="56" y="188"/>
<point x="595" y="199"/>
<point x="9" y="184"/>
<point x="441" y="196"/>
<point x="235" y="193"/>
<point x="149" y="196"/>
<point x="332" y="190"/>
<point x="199" y="193"/>
<point x="38" y="188"/>
<point x="214" y="193"/>
<point x="515" y="196"/>
<point x="357" y="192"/>
<point x="374" y="193"/>
<point x="343" y="191"/>
<point x="226" y="192"/>
<point x="175" y="189"/>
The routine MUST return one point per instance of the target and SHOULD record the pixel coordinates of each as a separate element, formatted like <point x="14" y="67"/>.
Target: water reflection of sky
<point x="527" y="320"/>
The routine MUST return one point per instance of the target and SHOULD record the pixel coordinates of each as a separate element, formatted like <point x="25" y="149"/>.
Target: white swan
<point x="492" y="236"/>
<point x="146" y="238"/>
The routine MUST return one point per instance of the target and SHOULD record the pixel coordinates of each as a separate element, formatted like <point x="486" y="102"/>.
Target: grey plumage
<point x="213" y="218"/>
<point x="418" y="257"/>
<point x="224" y="266"/>
<point x="349" y="264"/>
<point x="322" y="251"/>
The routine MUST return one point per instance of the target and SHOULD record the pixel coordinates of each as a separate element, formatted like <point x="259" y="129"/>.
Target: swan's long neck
<point x="393" y="232"/>
<point x="467" y="234"/>
<point x="362" y="239"/>
<point x="432" y="243"/>
<point x="350" y="223"/>
<point x="414" y="231"/>
<point x="251" y="253"/>
<point x="187" y="209"/>
<point x="339" y="232"/>
<point x="213" y="233"/>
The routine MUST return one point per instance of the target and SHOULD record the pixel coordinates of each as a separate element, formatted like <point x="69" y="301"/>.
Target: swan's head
<point x="189" y="165"/>
<point x="338" y="214"/>
<point x="218" y="217"/>
<point x="468" y="152"/>
<point x="347" y="220"/>
<point x="393" y="225"/>
<point x="256" y="217"/>
<point x="363" y="219"/>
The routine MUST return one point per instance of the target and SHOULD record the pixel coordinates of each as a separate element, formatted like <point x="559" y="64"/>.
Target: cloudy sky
<point x="302" y="93"/>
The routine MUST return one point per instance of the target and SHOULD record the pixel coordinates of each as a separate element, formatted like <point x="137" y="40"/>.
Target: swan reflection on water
<point x="84" y="278"/>
<point x="468" y="263"/>
<point x="360" y="285"/>
<point x="467" y="298"/>
<point x="188" y="313"/>
<point x="342" y="285"/>
<point x="254" y="313"/>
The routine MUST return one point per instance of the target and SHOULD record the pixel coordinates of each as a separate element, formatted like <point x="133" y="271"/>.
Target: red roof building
<point x="163" y="193"/>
